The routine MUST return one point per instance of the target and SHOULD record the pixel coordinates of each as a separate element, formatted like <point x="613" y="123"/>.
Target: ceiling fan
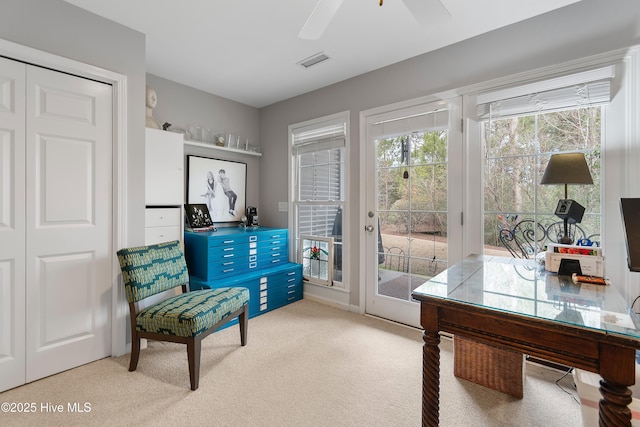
<point x="425" y="11"/>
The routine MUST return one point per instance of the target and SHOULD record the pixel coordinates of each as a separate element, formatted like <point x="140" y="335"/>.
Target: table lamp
<point x="567" y="168"/>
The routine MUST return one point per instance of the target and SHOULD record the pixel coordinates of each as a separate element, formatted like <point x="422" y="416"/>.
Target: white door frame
<point x="119" y="83"/>
<point x="456" y="144"/>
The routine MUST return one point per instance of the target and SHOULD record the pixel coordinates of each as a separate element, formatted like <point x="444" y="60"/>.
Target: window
<point x="318" y="164"/>
<point x="521" y="129"/>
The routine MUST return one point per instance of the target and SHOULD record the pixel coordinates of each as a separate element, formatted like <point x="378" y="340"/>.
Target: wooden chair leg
<point x="135" y="353"/>
<point x="193" y="354"/>
<point x="243" y="321"/>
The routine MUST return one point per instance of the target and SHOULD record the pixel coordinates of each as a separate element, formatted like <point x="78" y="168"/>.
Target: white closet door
<point x="12" y="224"/>
<point x="68" y="221"/>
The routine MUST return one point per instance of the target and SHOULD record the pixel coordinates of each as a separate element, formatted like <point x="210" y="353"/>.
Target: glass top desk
<point x="510" y="303"/>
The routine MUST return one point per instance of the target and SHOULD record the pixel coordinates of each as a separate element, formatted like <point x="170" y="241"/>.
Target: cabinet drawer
<point x="235" y="239"/>
<point x="221" y="267"/>
<point x="153" y="235"/>
<point x="272" y="260"/>
<point x="228" y="251"/>
<point x="162" y="217"/>
<point x="283" y="282"/>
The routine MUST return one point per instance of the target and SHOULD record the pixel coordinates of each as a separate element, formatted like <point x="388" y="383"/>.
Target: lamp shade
<point x="567" y="168"/>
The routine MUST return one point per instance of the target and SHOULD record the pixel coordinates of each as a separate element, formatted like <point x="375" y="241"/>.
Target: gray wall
<point x="183" y="106"/>
<point x="579" y="30"/>
<point x="59" y="28"/>
<point x="586" y="28"/>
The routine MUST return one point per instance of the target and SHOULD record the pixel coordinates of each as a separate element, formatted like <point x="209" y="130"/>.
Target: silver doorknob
<point x="369" y="228"/>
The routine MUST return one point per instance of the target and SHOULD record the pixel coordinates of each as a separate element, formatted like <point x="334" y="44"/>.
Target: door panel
<point x="66" y="308"/>
<point x="12" y="224"/>
<point x="68" y="227"/>
<point x="57" y="179"/>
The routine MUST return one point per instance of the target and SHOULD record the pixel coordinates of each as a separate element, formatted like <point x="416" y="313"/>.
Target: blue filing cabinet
<point x="256" y="258"/>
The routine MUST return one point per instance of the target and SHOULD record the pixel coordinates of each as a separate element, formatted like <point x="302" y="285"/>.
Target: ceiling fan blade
<point x="319" y="19"/>
<point x="427" y="12"/>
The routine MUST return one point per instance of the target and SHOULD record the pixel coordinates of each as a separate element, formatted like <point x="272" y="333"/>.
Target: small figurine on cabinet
<point x="152" y="101"/>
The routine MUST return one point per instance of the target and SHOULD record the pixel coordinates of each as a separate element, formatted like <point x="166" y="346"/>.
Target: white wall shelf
<point x="217" y="148"/>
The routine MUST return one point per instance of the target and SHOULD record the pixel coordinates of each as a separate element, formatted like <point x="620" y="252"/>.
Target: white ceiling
<point x="248" y="50"/>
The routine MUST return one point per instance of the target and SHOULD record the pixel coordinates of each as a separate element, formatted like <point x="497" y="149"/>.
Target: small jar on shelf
<point x="219" y="139"/>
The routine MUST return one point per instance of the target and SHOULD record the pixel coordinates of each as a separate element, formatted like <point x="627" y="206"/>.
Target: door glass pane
<point x="519" y="212"/>
<point x="412" y="211"/>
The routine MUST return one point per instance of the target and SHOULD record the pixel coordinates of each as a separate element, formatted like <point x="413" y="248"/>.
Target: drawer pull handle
<point x="227" y="263"/>
<point x="228" y="256"/>
<point x="275" y="255"/>
<point x="228" y="241"/>
<point x="291" y="280"/>
<point x="291" y="273"/>
<point x="228" y="270"/>
<point x="227" y="249"/>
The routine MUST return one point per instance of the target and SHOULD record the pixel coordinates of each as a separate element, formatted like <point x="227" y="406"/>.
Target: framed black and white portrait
<point x="198" y="216"/>
<point x="219" y="184"/>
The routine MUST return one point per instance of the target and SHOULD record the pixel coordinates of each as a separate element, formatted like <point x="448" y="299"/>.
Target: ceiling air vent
<point x="313" y="60"/>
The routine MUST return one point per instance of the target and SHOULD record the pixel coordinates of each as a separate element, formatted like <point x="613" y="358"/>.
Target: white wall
<point x="59" y="28"/>
<point x="579" y="30"/>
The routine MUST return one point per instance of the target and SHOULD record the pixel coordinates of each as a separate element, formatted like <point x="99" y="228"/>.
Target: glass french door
<point x="412" y="216"/>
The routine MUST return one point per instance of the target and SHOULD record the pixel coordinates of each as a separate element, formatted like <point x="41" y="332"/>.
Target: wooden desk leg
<point x="430" y="379"/>
<point x="614" y="405"/>
<point x="617" y="369"/>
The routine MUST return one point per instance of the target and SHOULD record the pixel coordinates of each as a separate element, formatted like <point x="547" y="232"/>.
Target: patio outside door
<point x="413" y="207"/>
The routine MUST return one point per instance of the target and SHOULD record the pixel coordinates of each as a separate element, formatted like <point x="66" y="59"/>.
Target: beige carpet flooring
<point x="307" y="364"/>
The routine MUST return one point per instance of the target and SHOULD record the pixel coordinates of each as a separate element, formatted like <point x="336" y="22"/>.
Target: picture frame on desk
<point x="198" y="217"/>
<point x="219" y="184"/>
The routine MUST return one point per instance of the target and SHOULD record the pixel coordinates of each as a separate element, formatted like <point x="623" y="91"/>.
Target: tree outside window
<point x="516" y="152"/>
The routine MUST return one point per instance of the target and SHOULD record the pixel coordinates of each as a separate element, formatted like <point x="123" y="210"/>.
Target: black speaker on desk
<point x="570" y="210"/>
<point x="630" y="209"/>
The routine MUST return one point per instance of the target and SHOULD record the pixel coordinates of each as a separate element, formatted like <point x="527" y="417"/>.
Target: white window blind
<point x="391" y="125"/>
<point x="320" y="175"/>
<point x="584" y="89"/>
<point x="321" y="137"/>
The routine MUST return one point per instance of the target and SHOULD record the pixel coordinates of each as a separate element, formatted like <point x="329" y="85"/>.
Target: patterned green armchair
<point x="185" y="318"/>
